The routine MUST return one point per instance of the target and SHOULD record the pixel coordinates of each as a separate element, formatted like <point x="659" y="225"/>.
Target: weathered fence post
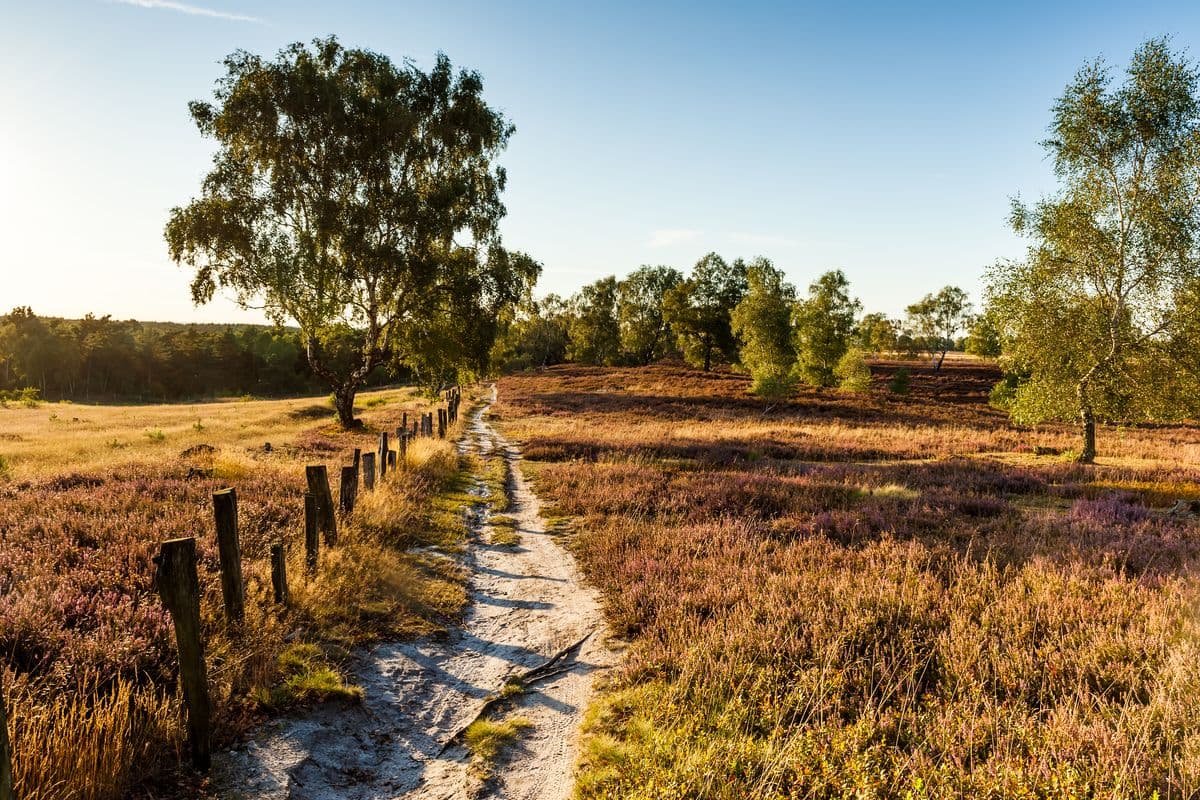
<point x="6" y="774"/>
<point x="391" y="459"/>
<point x="279" y="573"/>
<point x="357" y="456"/>
<point x="179" y="588"/>
<point x="312" y="538"/>
<point x="402" y="442"/>
<point x="348" y="489"/>
<point x="368" y="465"/>
<point x="441" y="423"/>
<point x="383" y="451"/>
<point x="404" y="420"/>
<point x="318" y="485"/>
<point x="233" y="589"/>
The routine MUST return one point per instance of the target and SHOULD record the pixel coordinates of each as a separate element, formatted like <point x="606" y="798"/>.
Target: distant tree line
<point x="98" y="358"/>
<point x="739" y="313"/>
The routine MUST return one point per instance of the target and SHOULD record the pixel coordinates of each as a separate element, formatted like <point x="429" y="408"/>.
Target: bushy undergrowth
<point x="955" y="625"/>
<point x="88" y="651"/>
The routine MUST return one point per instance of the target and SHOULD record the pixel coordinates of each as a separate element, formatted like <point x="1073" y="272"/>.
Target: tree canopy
<point x="936" y="319"/>
<point x="762" y="322"/>
<point x="1099" y="316"/>
<point x="824" y="323"/>
<point x="645" y="334"/>
<point x="595" y="334"/>
<point x="698" y="310"/>
<point x="351" y="193"/>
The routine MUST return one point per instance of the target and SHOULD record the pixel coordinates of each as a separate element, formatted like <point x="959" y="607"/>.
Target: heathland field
<point x="872" y="595"/>
<point x="87" y="494"/>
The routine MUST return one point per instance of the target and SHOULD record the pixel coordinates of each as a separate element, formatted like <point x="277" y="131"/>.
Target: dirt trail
<point x="528" y="605"/>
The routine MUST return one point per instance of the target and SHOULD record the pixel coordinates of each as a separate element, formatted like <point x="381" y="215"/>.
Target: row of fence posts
<point x="178" y="585"/>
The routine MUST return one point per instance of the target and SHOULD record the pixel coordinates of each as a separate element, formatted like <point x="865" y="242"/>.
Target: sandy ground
<point x="530" y="613"/>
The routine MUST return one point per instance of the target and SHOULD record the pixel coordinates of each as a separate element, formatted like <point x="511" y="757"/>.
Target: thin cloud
<point x="760" y="240"/>
<point x="665" y="237"/>
<point x="184" y="8"/>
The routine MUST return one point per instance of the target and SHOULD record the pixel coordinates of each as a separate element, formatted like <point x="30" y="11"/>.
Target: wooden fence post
<point x="383" y="451"/>
<point x="441" y="423"/>
<point x="233" y="589"/>
<point x="179" y="588"/>
<point x="6" y="774"/>
<point x="348" y="489"/>
<point x="318" y="484"/>
<point x="402" y="440"/>
<point x="368" y="465"/>
<point x="312" y="538"/>
<point x="357" y="456"/>
<point x="279" y="573"/>
<point x="404" y="420"/>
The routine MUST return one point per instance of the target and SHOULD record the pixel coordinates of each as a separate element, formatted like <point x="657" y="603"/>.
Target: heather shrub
<point x="899" y="384"/>
<point x="88" y="650"/>
<point x="895" y="602"/>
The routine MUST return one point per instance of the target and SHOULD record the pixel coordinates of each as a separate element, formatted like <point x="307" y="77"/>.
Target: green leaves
<point x="340" y="190"/>
<point x="698" y="310"/>
<point x="1096" y="317"/>
<point x="824" y="323"/>
<point x="935" y="320"/>
<point x="762" y="321"/>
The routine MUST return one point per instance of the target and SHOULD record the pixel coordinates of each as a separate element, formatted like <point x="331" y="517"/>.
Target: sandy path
<point x="528" y="605"/>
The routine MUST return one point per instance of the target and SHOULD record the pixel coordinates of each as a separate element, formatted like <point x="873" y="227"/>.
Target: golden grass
<point x="57" y="437"/>
<point x="88" y="745"/>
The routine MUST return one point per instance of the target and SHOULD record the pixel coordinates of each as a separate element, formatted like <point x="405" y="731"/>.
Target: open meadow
<point x="871" y="595"/>
<point x="89" y="492"/>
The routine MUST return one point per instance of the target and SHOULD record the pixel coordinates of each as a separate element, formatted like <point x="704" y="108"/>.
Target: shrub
<point x="773" y="387"/>
<point x="852" y="372"/>
<point x="28" y="397"/>
<point x="1004" y="393"/>
<point x="899" y="382"/>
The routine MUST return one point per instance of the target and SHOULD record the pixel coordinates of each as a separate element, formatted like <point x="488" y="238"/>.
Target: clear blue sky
<point x="882" y="138"/>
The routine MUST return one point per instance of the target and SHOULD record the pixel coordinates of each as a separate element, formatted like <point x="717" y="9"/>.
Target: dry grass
<point x="872" y="597"/>
<point x="87" y="648"/>
<point x="55" y="437"/>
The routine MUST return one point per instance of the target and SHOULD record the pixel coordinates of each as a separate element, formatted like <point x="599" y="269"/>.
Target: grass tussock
<point x="88" y="649"/>
<point x="89" y="744"/>
<point x="847" y="595"/>
<point x="487" y="740"/>
<point x="306" y="674"/>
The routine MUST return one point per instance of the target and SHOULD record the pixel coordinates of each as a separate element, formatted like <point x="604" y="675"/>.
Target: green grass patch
<point x="512" y="687"/>
<point x="504" y="532"/>
<point x="497" y="475"/>
<point x="486" y="740"/>
<point x="306" y="675"/>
